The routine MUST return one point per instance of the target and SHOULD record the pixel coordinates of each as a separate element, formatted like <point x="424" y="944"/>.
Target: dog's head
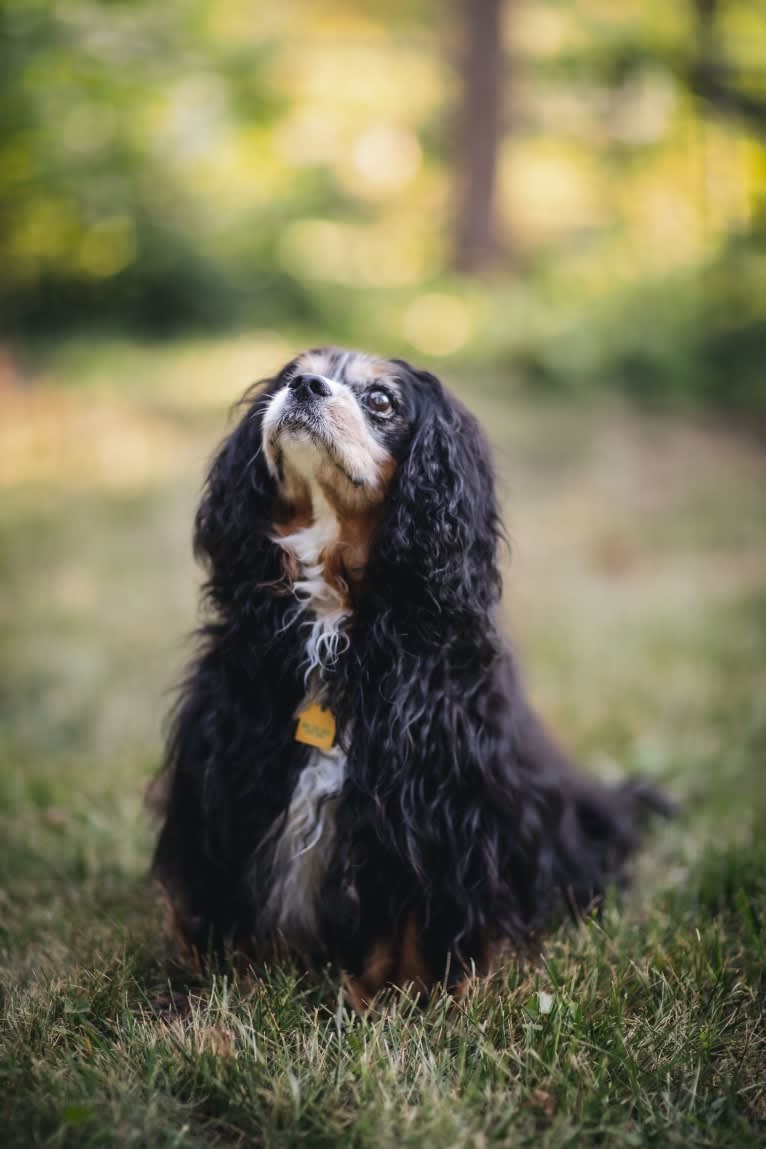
<point x="340" y="422"/>
<point x="378" y="441"/>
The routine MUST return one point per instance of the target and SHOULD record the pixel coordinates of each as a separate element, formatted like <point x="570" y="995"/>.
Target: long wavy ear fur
<point x="231" y="531"/>
<point x="480" y="824"/>
<point x="231" y="731"/>
<point x="425" y="772"/>
<point x="435" y="553"/>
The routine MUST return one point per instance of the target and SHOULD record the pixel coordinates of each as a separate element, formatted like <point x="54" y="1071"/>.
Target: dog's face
<point x="380" y="456"/>
<point x="340" y="421"/>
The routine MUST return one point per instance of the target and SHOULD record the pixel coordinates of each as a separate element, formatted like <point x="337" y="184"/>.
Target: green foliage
<point x="106" y="111"/>
<point x="689" y="338"/>
<point x="196" y="165"/>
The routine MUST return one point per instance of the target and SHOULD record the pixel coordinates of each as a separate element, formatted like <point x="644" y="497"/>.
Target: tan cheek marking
<point x="346" y="561"/>
<point x="350" y="502"/>
<point x="292" y="518"/>
<point x="386" y="472"/>
<point x="364" y="454"/>
<point x="346" y="420"/>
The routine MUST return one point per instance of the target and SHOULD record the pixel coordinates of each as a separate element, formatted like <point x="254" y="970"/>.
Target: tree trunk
<point x="717" y="85"/>
<point x="480" y="130"/>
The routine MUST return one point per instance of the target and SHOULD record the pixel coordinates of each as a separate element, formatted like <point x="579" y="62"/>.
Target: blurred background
<point x="558" y="205"/>
<point x="572" y="191"/>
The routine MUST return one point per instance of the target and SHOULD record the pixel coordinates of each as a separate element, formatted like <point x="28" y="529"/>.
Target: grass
<point x="636" y="593"/>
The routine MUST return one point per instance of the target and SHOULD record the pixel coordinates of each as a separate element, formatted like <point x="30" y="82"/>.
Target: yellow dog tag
<point x="316" y="727"/>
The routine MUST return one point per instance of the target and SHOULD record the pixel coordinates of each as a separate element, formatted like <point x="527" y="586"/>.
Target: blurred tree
<point x="112" y="116"/>
<point x="241" y="163"/>
<point x="482" y="71"/>
<point x="715" y="81"/>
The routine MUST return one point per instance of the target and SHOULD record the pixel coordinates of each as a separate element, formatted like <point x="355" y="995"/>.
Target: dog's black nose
<point x="310" y="387"/>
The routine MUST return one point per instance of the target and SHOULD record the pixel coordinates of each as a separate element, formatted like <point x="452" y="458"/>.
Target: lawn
<point x="636" y="591"/>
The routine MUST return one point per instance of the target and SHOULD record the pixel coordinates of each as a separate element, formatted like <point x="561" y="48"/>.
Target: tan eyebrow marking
<point x="317" y="361"/>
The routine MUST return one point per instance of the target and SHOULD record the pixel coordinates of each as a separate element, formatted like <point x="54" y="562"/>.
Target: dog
<point x="354" y="773"/>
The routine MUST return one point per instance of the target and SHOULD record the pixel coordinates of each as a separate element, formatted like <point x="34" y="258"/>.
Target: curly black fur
<point x="458" y="811"/>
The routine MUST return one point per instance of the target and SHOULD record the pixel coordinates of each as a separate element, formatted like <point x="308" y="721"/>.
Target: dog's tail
<point x="601" y="830"/>
<point x="599" y="825"/>
<point x="645" y="799"/>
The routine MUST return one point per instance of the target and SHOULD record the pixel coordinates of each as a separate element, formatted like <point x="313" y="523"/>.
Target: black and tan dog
<point x="354" y="770"/>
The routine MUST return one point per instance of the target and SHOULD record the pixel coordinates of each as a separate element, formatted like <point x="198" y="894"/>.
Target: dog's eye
<point x="378" y="401"/>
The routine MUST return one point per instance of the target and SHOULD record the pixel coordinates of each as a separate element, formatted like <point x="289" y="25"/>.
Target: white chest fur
<point x="321" y="608"/>
<point x="307" y="833"/>
<point x="303" y="848"/>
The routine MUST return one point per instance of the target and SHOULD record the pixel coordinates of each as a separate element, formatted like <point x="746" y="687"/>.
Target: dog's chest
<point x="303" y="848"/>
<point x="306" y="834"/>
<point x="321" y="606"/>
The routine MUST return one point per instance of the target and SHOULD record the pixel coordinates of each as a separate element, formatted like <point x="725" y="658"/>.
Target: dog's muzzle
<point x="309" y="389"/>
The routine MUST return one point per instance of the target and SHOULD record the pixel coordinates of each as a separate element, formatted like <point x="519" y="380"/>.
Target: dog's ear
<point x="231" y="530"/>
<point x="429" y="771"/>
<point x="436" y="549"/>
